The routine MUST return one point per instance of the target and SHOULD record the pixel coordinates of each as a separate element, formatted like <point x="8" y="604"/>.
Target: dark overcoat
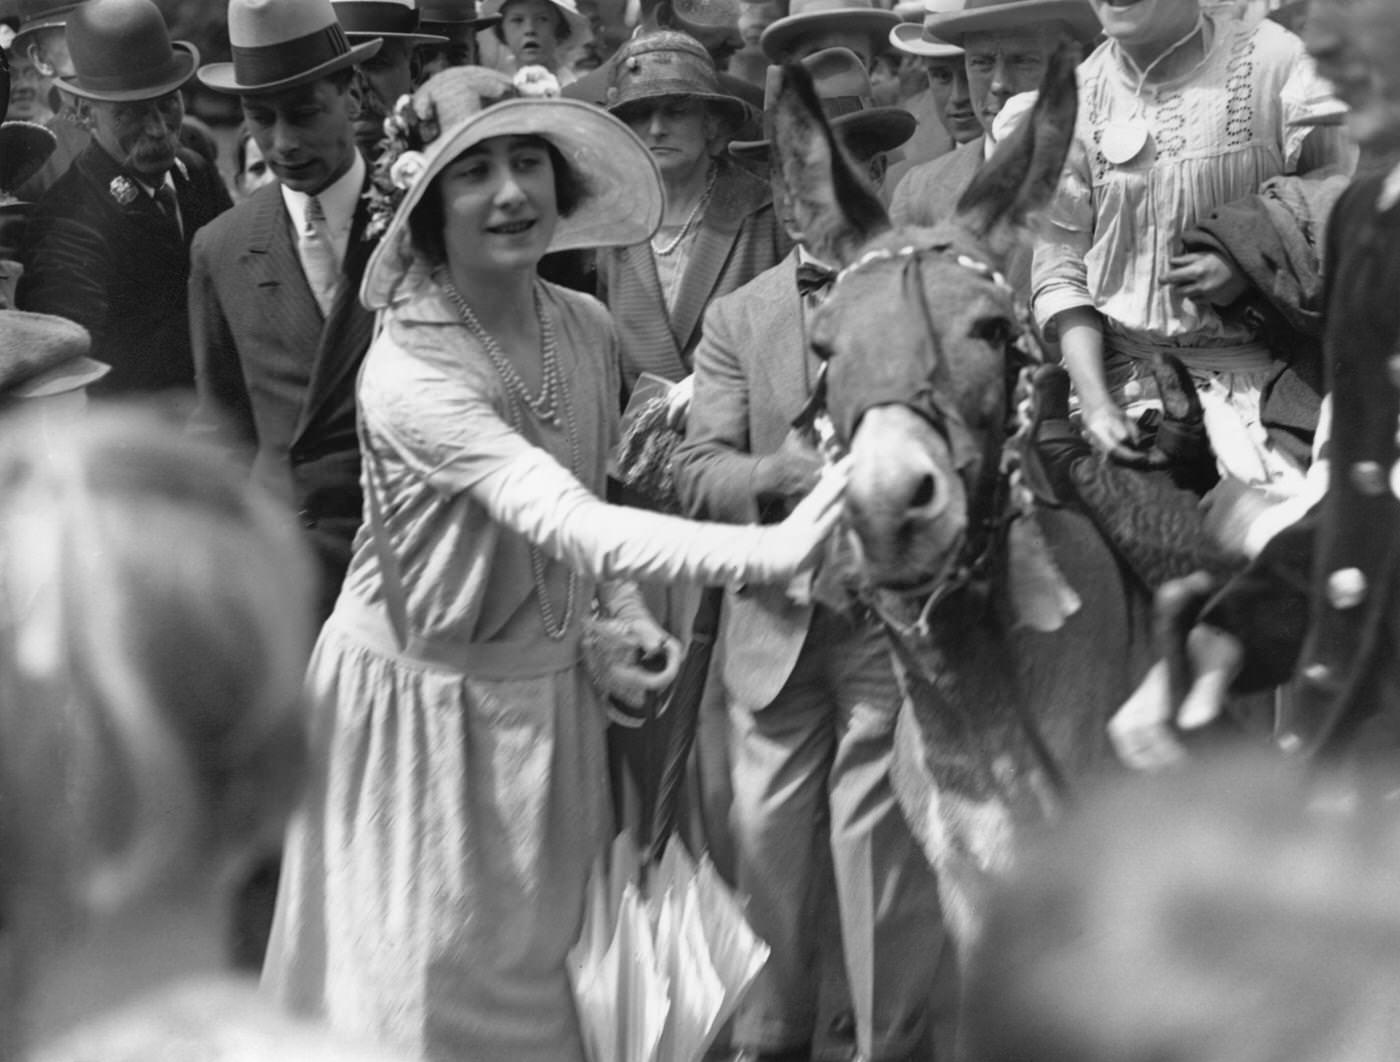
<point x="277" y="373"/>
<point x="101" y="252"/>
<point x="1320" y="599"/>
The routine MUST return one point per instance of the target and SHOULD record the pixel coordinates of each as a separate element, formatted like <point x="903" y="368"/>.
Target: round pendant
<point x="1123" y="141"/>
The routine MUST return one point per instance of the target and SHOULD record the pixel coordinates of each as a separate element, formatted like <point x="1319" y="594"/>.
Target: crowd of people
<point x="300" y="653"/>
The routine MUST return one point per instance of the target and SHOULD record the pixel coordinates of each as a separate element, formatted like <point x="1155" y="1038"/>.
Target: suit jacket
<point x="930" y="140"/>
<point x="738" y="238"/>
<point x="277" y="374"/>
<point x="929" y="193"/>
<point x="752" y="377"/>
<point x="100" y="251"/>
<point x="1320" y="597"/>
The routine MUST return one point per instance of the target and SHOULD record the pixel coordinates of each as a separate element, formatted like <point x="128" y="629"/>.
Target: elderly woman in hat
<point x="1179" y="114"/>
<point x="718" y="230"/>
<point x="435" y="881"/>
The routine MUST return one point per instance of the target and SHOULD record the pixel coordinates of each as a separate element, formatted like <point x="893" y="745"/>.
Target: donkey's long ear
<point x="833" y="205"/>
<point x="1024" y="171"/>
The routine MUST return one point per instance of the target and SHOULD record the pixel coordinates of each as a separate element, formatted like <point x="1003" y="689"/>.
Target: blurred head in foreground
<point x="149" y="671"/>
<point x="1230" y="912"/>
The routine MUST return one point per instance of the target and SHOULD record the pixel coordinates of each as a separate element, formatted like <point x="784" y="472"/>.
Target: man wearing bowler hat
<point x="390" y="72"/>
<point x="41" y="39"/>
<point x="279" y="331"/>
<point x="1007" y="44"/>
<point x="108" y="244"/>
<point x="812" y="695"/>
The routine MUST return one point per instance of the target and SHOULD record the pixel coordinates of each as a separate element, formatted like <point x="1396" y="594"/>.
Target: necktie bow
<point x="814" y="279"/>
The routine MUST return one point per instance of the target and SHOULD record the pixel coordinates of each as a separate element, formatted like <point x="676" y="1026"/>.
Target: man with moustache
<point x="1006" y="44"/>
<point x="390" y="72"/>
<point x="108" y="245"/>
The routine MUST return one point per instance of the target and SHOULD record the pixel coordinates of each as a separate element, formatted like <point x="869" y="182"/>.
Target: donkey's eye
<point x="994" y="331"/>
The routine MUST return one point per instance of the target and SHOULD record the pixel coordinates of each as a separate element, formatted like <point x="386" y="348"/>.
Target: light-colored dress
<point x="434" y="878"/>
<point x="1216" y="134"/>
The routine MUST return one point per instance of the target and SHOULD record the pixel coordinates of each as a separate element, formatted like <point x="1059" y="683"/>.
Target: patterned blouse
<point x="1216" y="134"/>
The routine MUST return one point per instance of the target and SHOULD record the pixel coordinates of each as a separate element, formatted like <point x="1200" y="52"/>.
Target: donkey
<point x="1014" y="630"/>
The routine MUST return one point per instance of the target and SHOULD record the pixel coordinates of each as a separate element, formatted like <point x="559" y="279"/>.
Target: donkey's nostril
<point x="923" y="492"/>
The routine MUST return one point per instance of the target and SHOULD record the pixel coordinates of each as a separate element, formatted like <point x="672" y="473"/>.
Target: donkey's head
<point x="918" y="330"/>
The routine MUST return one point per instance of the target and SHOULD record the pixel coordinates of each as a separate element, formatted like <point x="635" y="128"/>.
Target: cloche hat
<point x="669" y="64"/>
<point x="36" y="15"/>
<point x="622" y="195"/>
<point x="981" y="16"/>
<point x="843" y="88"/>
<point x="123" y="53"/>
<point x="920" y="39"/>
<point x="280" y="44"/>
<point x="387" y="19"/>
<point x="855" y="18"/>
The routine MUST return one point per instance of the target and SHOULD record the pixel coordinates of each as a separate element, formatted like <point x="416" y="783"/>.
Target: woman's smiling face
<point x="499" y="204"/>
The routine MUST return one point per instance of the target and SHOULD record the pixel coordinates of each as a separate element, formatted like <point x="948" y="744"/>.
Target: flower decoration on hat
<point x="416" y="122"/>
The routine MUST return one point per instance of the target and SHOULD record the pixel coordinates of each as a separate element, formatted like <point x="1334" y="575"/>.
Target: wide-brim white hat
<point x="852" y="18"/>
<point x="920" y="36"/>
<point x="621" y="203"/>
<point x="989" y="16"/>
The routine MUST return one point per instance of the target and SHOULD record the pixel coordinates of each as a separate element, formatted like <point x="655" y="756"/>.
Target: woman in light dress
<point x="434" y="881"/>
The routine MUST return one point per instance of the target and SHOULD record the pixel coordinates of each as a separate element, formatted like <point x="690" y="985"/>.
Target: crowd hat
<point x="707" y="14"/>
<point x="453" y="19"/>
<point x="988" y="16"/>
<point x="667" y="65"/>
<point x="622" y="196"/>
<point x="36" y="15"/>
<point x="122" y="52"/>
<point x="843" y="88"/>
<point x="920" y="39"/>
<point x="580" y="29"/>
<point x="24" y="148"/>
<point x="280" y="44"/>
<point x="390" y="20"/>
<point x="852" y="18"/>
<point x="43" y="355"/>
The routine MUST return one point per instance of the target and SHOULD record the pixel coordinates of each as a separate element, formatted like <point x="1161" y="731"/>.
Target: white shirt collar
<point x="338" y="202"/>
<point x="1390" y="191"/>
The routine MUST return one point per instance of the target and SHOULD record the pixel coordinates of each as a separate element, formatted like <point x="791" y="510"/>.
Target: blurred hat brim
<point x="911" y="39"/>
<point x="1017" y="14"/>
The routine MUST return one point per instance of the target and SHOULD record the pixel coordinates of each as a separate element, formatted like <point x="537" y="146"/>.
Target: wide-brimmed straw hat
<point x="622" y="195"/>
<point x="920" y="39"/>
<point x="122" y="52"/>
<point x="843" y="87"/>
<point x="669" y="65"/>
<point x="36" y="15"/>
<point x="43" y="355"/>
<point x="580" y="29"/>
<point x="453" y="19"/>
<point x="280" y="44"/>
<point x="859" y="19"/>
<point x="390" y="20"/>
<point x="988" y="16"/>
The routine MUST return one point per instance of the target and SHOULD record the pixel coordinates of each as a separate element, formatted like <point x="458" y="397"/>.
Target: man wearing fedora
<point x="393" y="70"/>
<point x="108" y="245"/>
<point x="813" y="25"/>
<point x="458" y="23"/>
<point x="1007" y="44"/>
<point x="812" y="694"/>
<point x="42" y="40"/>
<point x="279" y="331"/>
<point x="944" y="107"/>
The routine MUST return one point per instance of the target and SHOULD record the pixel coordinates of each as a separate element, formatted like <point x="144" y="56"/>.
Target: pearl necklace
<point x="553" y="398"/>
<point x="690" y="221"/>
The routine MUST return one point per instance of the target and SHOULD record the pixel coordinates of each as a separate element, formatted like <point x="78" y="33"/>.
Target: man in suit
<point x="279" y="331"/>
<point x="1319" y="601"/>
<point x="1006" y="45"/>
<point x="812" y="693"/>
<point x="108" y="244"/>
